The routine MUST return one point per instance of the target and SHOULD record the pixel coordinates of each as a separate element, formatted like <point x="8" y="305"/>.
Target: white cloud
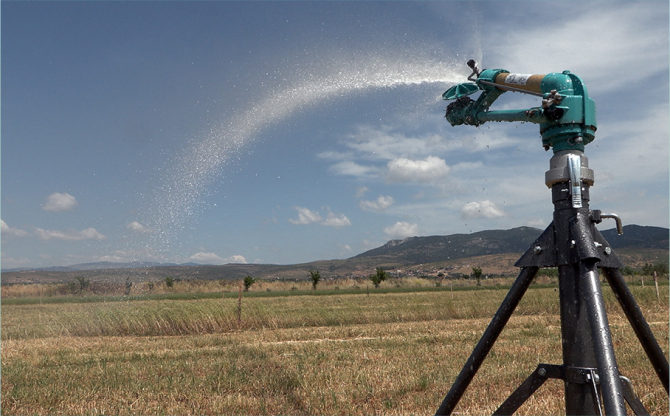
<point x="69" y="235"/>
<point x="467" y="166"/>
<point x="58" y="202"/>
<point x="361" y="191"/>
<point x="351" y="168"/>
<point x="402" y="230"/>
<point x="590" y="41"/>
<point x="9" y="262"/>
<point x="236" y="259"/>
<point x="387" y="143"/>
<point x="482" y="209"/>
<point x="136" y="226"/>
<point x="6" y="230"/>
<point x="306" y="216"/>
<point x="537" y="223"/>
<point x="378" y="205"/>
<point x="334" y="220"/>
<point x="212" y="258"/>
<point x="344" y="248"/>
<point x="624" y="138"/>
<point x="207" y="258"/>
<point x="428" y="170"/>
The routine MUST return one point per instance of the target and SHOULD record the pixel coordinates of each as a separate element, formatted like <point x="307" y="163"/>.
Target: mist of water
<point x="189" y="176"/>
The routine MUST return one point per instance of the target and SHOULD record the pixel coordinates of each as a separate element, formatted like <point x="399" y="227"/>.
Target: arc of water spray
<point x="199" y="165"/>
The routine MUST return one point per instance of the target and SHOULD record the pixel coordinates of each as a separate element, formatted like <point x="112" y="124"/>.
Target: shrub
<point x="169" y="281"/>
<point x="477" y="274"/>
<point x="316" y="277"/>
<point x="661" y="269"/>
<point x="83" y="283"/>
<point x="248" y="281"/>
<point x="379" y="276"/>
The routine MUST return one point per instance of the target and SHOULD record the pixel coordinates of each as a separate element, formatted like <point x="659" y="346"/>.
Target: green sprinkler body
<point x="567" y="116"/>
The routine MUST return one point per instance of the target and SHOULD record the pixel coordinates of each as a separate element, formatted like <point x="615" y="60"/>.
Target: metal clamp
<point x="575" y="169"/>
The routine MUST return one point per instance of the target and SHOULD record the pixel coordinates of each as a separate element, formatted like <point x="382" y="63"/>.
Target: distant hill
<point x="417" y="250"/>
<point x="638" y="236"/>
<point x="412" y="251"/>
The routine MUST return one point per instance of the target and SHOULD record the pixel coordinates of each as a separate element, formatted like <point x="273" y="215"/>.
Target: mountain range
<point x="394" y="254"/>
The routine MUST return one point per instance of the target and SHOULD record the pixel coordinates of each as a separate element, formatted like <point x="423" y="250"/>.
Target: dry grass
<point x="347" y="354"/>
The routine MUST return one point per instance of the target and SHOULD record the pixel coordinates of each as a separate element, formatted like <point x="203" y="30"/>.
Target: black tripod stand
<point x="573" y="244"/>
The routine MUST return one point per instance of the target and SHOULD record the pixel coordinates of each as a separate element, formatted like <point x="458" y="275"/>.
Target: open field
<point x="361" y="353"/>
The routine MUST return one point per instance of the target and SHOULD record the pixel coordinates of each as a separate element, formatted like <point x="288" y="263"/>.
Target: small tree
<point x="169" y="281"/>
<point x="248" y="281"/>
<point x="83" y="283"/>
<point x="379" y="276"/>
<point x="660" y="268"/>
<point x="316" y="277"/>
<point x="477" y="274"/>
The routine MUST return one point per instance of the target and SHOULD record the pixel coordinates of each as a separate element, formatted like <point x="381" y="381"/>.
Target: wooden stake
<point x="658" y="297"/>
<point x="239" y="307"/>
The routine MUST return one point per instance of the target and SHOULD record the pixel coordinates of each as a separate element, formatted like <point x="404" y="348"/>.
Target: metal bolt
<point x="542" y="372"/>
<point x="597" y="244"/>
<point x="573" y="243"/>
<point x="608" y="251"/>
<point x="537" y="249"/>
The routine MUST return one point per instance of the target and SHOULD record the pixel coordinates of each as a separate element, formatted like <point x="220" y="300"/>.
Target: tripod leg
<point x="608" y="372"/>
<point x="528" y="387"/>
<point x="639" y="324"/>
<point x="632" y="399"/>
<point x="484" y="345"/>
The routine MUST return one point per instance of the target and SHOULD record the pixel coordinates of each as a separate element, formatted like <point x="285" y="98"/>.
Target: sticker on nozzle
<point x="517" y="79"/>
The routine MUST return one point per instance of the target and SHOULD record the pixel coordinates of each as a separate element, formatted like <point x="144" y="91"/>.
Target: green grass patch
<point x="250" y="294"/>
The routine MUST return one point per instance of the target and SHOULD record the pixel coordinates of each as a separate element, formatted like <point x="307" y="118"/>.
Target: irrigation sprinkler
<point x="572" y="243"/>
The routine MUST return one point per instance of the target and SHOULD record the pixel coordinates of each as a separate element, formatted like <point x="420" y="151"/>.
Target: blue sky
<point x="288" y="132"/>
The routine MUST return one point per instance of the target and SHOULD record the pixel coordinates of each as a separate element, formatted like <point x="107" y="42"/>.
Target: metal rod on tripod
<point x="639" y="324"/>
<point x="612" y="393"/>
<point x="484" y="345"/>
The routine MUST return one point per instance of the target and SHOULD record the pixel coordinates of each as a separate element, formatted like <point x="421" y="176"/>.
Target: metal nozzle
<point x="475" y="70"/>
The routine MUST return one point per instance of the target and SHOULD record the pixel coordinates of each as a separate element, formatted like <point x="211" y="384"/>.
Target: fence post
<point x="239" y="307"/>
